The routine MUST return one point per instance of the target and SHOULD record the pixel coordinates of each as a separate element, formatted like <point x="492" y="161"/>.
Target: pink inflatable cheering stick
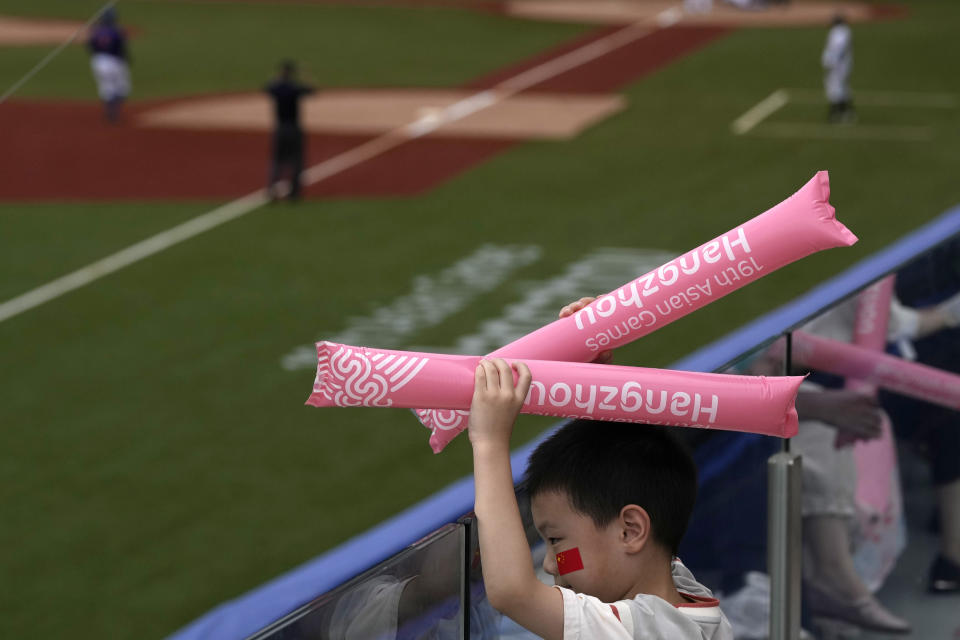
<point x="878" y="495"/>
<point x="895" y="374"/>
<point x="356" y="376"/>
<point x="800" y="225"/>
<point x="870" y="332"/>
<point x="873" y="314"/>
<point x="876" y="459"/>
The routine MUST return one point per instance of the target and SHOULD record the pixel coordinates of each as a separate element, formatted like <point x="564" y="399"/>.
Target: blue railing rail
<point x="259" y="608"/>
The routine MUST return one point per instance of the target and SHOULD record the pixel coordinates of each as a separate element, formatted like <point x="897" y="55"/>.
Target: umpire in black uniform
<point x="287" y="136"/>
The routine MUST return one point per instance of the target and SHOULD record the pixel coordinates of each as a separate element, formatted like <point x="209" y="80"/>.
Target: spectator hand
<point x="604" y="357"/>
<point x="497" y="400"/>
<point x="950" y="310"/>
<point x="855" y="415"/>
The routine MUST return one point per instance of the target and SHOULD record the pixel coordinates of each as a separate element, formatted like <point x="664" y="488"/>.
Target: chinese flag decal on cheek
<point x="568" y="561"/>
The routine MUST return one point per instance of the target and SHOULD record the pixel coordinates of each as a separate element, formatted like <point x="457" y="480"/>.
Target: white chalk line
<point x="53" y="54"/>
<point x="130" y="255"/>
<point x="418" y="128"/>
<point x="759" y="112"/>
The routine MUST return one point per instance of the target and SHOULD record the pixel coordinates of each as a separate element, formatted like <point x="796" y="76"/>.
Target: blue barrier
<point x="251" y="612"/>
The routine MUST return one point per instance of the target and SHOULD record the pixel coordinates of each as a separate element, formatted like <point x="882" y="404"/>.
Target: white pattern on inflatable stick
<point x="352" y="378"/>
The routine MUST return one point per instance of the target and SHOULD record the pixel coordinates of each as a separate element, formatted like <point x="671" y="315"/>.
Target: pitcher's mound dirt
<point x="375" y="111"/>
<point x="28" y="31"/>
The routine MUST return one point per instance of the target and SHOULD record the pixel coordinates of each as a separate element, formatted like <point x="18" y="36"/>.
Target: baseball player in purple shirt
<point x="109" y="60"/>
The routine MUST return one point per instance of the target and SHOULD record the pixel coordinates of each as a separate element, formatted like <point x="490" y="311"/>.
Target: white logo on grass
<point x="600" y="271"/>
<point x="432" y="300"/>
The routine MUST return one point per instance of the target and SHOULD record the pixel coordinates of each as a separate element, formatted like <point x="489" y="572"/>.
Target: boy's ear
<point x="635" y="529"/>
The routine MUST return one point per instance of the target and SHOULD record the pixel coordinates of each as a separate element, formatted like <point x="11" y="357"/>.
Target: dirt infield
<point x="722" y="14"/>
<point x="792" y="12"/>
<point x="217" y="146"/>
<point x="22" y="32"/>
<point x="64" y="150"/>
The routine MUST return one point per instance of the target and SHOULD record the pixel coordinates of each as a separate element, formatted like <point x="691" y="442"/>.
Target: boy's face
<point x="564" y="529"/>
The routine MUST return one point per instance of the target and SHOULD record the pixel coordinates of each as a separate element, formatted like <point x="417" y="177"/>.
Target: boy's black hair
<point x="604" y="466"/>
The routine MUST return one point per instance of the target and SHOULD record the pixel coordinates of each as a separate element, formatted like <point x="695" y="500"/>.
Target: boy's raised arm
<point x="512" y="586"/>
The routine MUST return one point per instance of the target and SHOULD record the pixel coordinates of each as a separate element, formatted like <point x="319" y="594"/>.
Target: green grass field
<point x="156" y="459"/>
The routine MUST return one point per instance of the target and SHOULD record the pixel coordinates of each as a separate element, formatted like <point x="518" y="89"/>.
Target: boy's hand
<point x="497" y="400"/>
<point x="604" y="357"/>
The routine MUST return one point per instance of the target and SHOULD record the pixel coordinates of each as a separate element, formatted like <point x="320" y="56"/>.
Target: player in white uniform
<point x="837" y="60"/>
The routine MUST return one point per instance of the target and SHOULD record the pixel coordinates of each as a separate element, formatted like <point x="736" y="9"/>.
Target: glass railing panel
<point x="415" y="594"/>
<point x="485" y="621"/>
<point x="928" y="434"/>
<point x="878" y="422"/>
<point x="726" y="542"/>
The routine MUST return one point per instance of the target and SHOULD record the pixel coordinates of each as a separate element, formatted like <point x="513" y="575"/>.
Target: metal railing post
<point x="467" y="528"/>
<point x="784" y="544"/>
<point x="784" y="536"/>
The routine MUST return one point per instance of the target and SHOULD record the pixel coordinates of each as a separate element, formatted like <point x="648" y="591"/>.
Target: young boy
<point x="611" y="501"/>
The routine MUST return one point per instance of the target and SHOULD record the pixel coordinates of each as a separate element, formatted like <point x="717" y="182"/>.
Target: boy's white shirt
<point x="645" y="617"/>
